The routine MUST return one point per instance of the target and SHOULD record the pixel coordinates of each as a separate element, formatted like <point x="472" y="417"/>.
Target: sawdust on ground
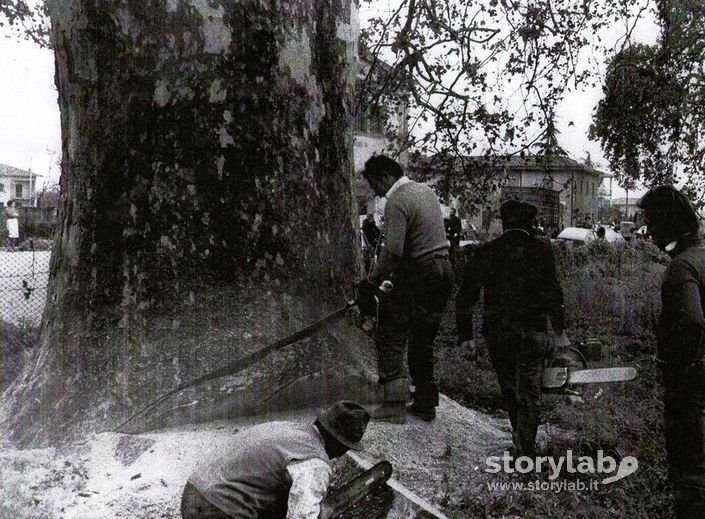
<point x="111" y="475"/>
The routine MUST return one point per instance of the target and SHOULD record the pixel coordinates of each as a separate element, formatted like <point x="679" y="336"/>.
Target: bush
<point x="613" y="287"/>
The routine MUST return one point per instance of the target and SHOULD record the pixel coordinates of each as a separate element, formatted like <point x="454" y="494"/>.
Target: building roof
<point x="527" y="163"/>
<point x="633" y="200"/>
<point x="11" y="171"/>
<point x="542" y="162"/>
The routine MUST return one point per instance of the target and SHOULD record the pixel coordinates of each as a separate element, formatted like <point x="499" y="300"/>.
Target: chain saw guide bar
<point x="558" y="378"/>
<point x="357" y="489"/>
<point x="365" y="302"/>
<point x="570" y="368"/>
<point x="246" y="361"/>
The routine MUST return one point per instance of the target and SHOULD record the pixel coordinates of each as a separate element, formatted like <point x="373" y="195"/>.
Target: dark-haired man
<point x="275" y="469"/>
<point x="673" y="224"/>
<point x="521" y="293"/>
<point x="415" y="259"/>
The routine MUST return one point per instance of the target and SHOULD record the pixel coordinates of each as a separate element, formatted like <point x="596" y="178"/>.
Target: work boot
<point x="393" y="410"/>
<point x="425" y="402"/>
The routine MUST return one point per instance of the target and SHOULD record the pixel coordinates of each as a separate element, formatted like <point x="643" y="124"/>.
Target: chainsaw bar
<point x="246" y="361"/>
<point x="559" y="377"/>
<point x="358" y="488"/>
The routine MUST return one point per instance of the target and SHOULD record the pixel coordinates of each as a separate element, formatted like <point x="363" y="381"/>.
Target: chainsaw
<point x="357" y="489"/>
<point x="559" y="378"/>
<point x="571" y="369"/>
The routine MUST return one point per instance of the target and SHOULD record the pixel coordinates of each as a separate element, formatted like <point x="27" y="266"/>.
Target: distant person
<point x="371" y="236"/>
<point x="521" y="293"/>
<point x="370" y="230"/>
<point x="454" y="228"/>
<point x="275" y="469"/>
<point x="13" y="226"/>
<point x="674" y="226"/>
<point x="601" y="233"/>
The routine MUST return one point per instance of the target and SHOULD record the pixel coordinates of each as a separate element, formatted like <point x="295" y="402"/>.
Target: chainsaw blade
<point x="559" y="377"/>
<point x="358" y="488"/>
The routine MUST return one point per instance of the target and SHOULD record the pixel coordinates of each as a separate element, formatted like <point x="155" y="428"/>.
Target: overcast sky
<point x="29" y="113"/>
<point x="30" y="129"/>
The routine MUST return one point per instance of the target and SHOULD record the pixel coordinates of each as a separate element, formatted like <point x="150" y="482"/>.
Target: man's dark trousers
<point x="413" y="313"/>
<point x="684" y="403"/>
<point x="518" y="358"/>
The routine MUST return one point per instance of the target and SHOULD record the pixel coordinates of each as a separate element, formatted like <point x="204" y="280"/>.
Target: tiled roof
<point x="10" y="171"/>
<point x="527" y="163"/>
<point x="621" y="201"/>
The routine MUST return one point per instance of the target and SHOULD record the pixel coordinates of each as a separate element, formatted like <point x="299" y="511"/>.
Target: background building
<point x="379" y="123"/>
<point x="566" y="192"/>
<point x="18" y="185"/>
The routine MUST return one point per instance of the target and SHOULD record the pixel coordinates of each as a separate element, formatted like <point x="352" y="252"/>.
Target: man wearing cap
<point x="521" y="293"/>
<point x="275" y="469"/>
<point x="415" y="259"/>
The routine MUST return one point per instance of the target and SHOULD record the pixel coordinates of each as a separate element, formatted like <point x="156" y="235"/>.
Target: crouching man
<point x="275" y="469"/>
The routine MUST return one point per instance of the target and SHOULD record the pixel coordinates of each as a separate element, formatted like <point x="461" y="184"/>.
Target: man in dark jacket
<point x="371" y="240"/>
<point x="521" y="293"/>
<point x="275" y="469"/>
<point x="454" y="228"/>
<point x="673" y="224"/>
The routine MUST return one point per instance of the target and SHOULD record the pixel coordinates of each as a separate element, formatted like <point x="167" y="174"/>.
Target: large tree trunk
<point x="206" y="202"/>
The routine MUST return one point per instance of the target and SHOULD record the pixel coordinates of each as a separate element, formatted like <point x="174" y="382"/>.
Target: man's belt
<point x="431" y="256"/>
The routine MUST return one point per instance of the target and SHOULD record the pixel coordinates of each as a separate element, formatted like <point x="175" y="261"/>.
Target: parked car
<point x="642" y="233"/>
<point x="576" y="236"/>
<point x="580" y="235"/>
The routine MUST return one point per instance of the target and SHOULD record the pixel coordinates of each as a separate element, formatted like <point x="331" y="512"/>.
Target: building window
<point x="370" y="117"/>
<point x="2" y="187"/>
<point x="18" y="191"/>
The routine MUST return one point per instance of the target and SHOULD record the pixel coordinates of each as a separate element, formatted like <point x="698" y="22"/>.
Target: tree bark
<point x="206" y="203"/>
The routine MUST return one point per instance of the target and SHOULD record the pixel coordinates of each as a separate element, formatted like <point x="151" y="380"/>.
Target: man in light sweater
<point x="415" y="259"/>
<point x="275" y="469"/>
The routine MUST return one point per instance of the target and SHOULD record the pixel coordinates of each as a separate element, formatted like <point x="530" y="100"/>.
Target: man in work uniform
<point x="674" y="226"/>
<point x="275" y="469"/>
<point x="371" y="235"/>
<point x="415" y="259"/>
<point x="521" y="293"/>
<point x="454" y="228"/>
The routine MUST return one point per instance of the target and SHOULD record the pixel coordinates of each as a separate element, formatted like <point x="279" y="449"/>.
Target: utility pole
<point x="572" y="196"/>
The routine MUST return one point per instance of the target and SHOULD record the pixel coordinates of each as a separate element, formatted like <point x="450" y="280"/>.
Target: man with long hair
<point x="673" y="224"/>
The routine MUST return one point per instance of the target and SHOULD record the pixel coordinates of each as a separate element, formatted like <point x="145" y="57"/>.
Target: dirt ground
<point x="112" y="475"/>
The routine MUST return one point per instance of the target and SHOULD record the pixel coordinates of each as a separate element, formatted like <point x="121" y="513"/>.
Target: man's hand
<point x="561" y="343"/>
<point x="471" y="347"/>
<point x="326" y="512"/>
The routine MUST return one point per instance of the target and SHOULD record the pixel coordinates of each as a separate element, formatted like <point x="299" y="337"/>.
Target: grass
<point x="612" y="294"/>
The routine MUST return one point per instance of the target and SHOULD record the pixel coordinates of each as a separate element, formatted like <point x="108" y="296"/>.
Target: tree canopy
<point x="485" y="78"/>
<point x="26" y="19"/>
<point x="651" y="120"/>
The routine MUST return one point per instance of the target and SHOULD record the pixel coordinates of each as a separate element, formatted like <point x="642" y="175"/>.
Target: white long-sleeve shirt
<point x="310" y="480"/>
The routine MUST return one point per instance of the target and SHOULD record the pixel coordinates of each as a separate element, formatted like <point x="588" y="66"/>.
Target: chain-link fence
<point x="24" y="275"/>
